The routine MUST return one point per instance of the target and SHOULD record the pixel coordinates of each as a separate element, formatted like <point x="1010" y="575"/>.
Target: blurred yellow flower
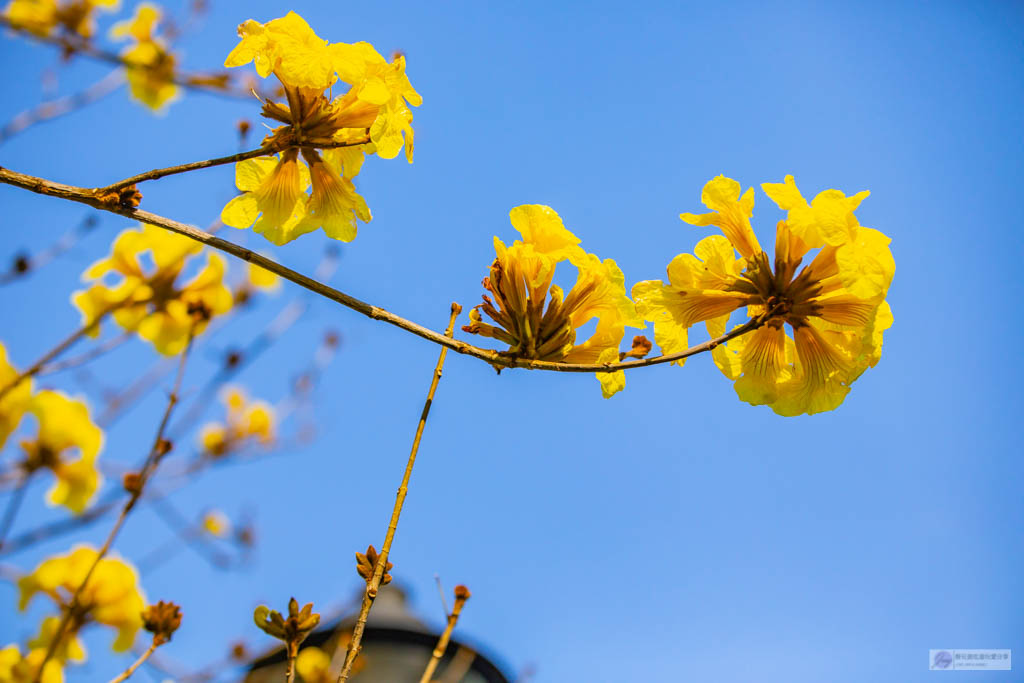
<point x="151" y="302"/>
<point x="14" y="402"/>
<point x="372" y="117"/>
<point x="18" y="668"/>
<point x="542" y="328"/>
<point x="313" y="665"/>
<point x="835" y="305"/>
<point x="246" y="421"/>
<point x="64" y="426"/>
<point x="41" y="17"/>
<point x="152" y="81"/>
<point x="112" y="596"/>
<point x="216" y="523"/>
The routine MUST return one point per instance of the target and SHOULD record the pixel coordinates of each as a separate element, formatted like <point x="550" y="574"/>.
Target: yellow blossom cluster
<point x="67" y="442"/>
<point x="246" y="421"/>
<point x="112" y="598"/>
<point x="44" y="17"/>
<point x="835" y="305"/>
<point x="151" y="74"/>
<point x="538" y="319"/>
<point x="151" y="301"/>
<point x="332" y="134"/>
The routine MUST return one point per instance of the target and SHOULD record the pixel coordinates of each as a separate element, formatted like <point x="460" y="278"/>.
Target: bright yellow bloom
<point x="274" y="196"/>
<point x="112" y="596"/>
<point x="64" y="426"/>
<point x="151" y="302"/>
<point x="835" y="305"/>
<point x="41" y="17"/>
<point x="246" y="421"/>
<point x="15" y="402"/>
<point x="152" y="82"/>
<point x="313" y="666"/>
<point x="536" y="327"/>
<point x="18" y="668"/>
<point x="372" y="117"/>
<point x="730" y="212"/>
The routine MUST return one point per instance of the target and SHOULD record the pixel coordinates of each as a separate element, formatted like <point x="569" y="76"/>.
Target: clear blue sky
<point x="671" y="533"/>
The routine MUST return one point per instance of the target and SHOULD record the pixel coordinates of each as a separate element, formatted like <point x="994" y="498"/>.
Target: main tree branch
<point x="496" y="359"/>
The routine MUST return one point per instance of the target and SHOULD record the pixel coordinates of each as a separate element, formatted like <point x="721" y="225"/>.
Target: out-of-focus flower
<point x="835" y="305"/>
<point x="18" y="668"/>
<point x="372" y="117"/>
<point x="112" y="597"/>
<point x="64" y="426"/>
<point x="542" y="328"/>
<point x="14" y="402"/>
<point x="43" y="17"/>
<point x="151" y="76"/>
<point x="313" y="665"/>
<point x="216" y="523"/>
<point x="152" y="302"/>
<point x="246" y="421"/>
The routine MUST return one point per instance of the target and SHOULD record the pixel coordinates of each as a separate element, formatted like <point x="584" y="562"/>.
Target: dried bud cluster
<point x="162" y="620"/>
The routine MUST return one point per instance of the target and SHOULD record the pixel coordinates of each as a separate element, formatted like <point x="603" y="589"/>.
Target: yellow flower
<point x="14" y="402"/>
<point x="271" y="190"/>
<point x="274" y="196"/>
<point x="151" y="302"/>
<point x="152" y="81"/>
<point x="538" y="327"/>
<point x="216" y="523"/>
<point x="64" y="425"/>
<point x="372" y="117"/>
<point x="41" y="17"/>
<point x="18" y="668"/>
<point x="835" y="305"/>
<point x="246" y="421"/>
<point x="112" y="596"/>
<point x="313" y="665"/>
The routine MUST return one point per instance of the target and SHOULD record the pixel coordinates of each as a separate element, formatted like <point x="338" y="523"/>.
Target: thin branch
<point x="13" y="505"/>
<point x="156" y="453"/>
<point x="208" y="163"/>
<point x="208" y="83"/>
<point x="380" y="566"/>
<point x="61" y="526"/>
<point x="25" y="264"/>
<point x="127" y="673"/>
<point x="85" y="196"/>
<point x="461" y="595"/>
<point x="54" y="352"/>
<point x="87" y="356"/>
<point x="48" y="111"/>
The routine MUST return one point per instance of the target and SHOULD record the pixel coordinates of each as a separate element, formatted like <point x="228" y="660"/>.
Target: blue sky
<point x="672" y="532"/>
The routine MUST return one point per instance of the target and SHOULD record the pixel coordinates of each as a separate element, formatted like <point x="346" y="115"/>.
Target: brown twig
<point x="47" y="111"/>
<point x="85" y="196"/>
<point x="207" y="163"/>
<point x="127" y="673"/>
<point x="461" y="595"/>
<point x="159" y="449"/>
<point x="380" y="565"/>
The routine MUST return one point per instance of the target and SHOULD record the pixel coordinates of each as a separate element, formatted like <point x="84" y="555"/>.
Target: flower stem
<point x="373" y="584"/>
<point x="156" y="453"/>
<point x="127" y="673"/>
